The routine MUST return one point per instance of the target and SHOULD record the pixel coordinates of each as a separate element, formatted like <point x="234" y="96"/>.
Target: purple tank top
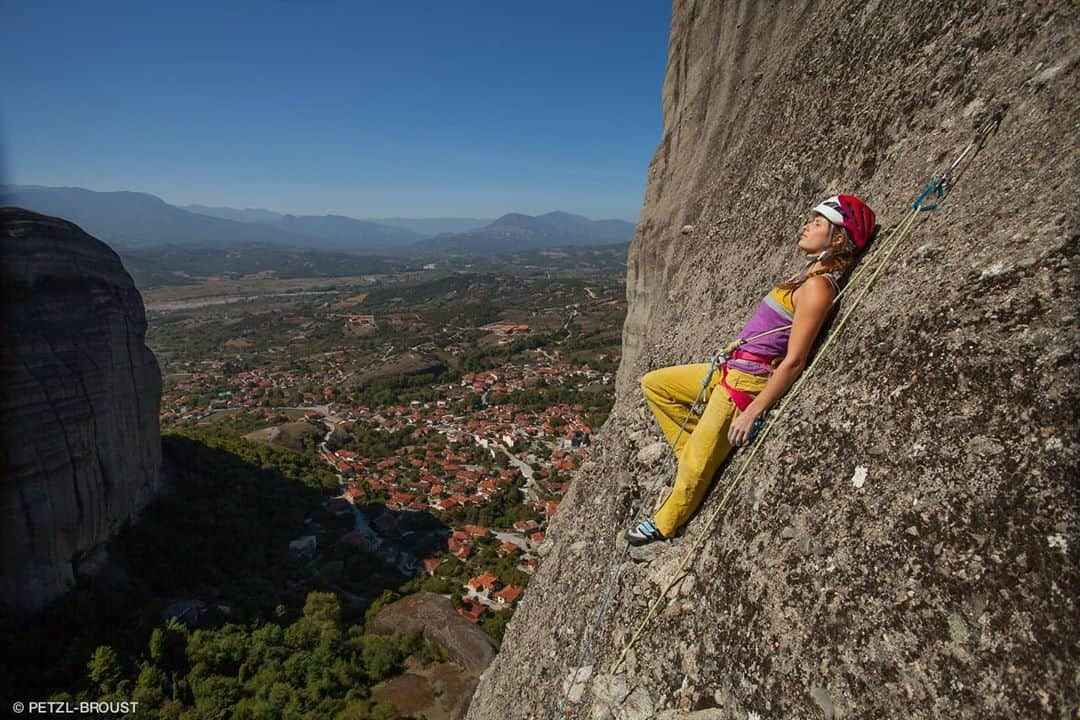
<point x="773" y="316"/>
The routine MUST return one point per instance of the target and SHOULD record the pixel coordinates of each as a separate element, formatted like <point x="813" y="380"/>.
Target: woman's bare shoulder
<point x="815" y="291"/>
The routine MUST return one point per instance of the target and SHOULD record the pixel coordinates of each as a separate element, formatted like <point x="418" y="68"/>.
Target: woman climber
<point x="772" y="350"/>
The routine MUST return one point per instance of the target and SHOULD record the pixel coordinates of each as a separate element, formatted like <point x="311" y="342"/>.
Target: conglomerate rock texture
<point x="80" y="399"/>
<point x="944" y="583"/>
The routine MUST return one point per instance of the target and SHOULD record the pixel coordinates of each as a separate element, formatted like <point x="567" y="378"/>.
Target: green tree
<point x="151" y="686"/>
<point x="323" y="610"/>
<point x="215" y="695"/>
<point x="168" y="645"/>
<point x="380" y="656"/>
<point x="105" y="669"/>
<point x="495" y="623"/>
<point x="384" y="711"/>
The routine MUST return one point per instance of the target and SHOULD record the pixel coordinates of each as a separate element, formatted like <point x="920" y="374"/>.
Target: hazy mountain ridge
<point x="422" y="227"/>
<point x="516" y="231"/>
<point x="141" y="220"/>
<point x="126" y="219"/>
<point x="334" y="232"/>
<point x="240" y="215"/>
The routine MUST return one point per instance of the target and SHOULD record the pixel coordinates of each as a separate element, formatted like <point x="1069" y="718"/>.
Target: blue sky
<point x="368" y="109"/>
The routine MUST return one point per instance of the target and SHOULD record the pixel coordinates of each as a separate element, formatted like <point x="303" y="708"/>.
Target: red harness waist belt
<point x="765" y="360"/>
<point x="741" y="398"/>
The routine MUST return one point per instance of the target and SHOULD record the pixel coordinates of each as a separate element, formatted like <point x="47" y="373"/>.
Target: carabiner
<point x="935" y="185"/>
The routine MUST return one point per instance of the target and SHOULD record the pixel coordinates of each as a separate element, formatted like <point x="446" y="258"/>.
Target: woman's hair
<point x="837" y="262"/>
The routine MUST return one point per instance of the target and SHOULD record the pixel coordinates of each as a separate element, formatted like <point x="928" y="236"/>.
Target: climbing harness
<point x="743" y="399"/>
<point x="940" y="185"/>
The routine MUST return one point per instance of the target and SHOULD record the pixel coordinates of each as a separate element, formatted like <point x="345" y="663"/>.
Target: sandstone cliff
<point x="80" y="398"/>
<point x="946" y="584"/>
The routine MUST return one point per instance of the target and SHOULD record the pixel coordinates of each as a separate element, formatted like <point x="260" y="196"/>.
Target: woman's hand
<point x="742" y="426"/>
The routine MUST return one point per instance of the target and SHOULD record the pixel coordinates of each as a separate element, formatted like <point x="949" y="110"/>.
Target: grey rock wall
<point x="942" y="584"/>
<point x="80" y="399"/>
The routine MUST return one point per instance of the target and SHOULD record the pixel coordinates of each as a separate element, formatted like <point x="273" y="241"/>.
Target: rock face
<point x="81" y="394"/>
<point x="435" y="617"/>
<point x="905" y="542"/>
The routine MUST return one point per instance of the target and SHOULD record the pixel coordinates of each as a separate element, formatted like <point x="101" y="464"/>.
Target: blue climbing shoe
<point x="644" y="533"/>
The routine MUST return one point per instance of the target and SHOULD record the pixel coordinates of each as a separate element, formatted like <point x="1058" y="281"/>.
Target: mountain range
<point x="422" y="227"/>
<point x="525" y="232"/>
<point x="140" y="220"/>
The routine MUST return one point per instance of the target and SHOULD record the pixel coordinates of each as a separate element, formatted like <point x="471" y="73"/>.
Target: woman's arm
<point x="811" y="308"/>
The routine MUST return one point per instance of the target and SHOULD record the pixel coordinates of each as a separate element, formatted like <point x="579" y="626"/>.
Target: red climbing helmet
<point x="852" y="213"/>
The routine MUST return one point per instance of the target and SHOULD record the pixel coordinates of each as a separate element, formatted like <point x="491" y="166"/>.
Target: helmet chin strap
<point x="828" y="244"/>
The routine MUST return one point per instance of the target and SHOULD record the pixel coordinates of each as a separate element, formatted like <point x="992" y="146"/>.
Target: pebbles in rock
<point x="984" y="446"/>
<point x="652" y="454"/>
<point x="673" y="610"/>
<point x="610" y="689"/>
<point x="787" y="533"/>
<point x="1048" y="74"/>
<point x="995" y="269"/>
<point x="645" y="553"/>
<point x="686" y="585"/>
<point x="957" y="629"/>
<point x="707" y="714"/>
<point x="821" y="697"/>
<point x="638" y="706"/>
<point x="579" y="682"/>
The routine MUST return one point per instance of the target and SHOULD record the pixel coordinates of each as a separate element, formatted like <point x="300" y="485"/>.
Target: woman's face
<point x="814" y="236"/>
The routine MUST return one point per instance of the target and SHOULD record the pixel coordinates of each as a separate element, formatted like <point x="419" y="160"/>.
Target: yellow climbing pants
<point x="703" y="444"/>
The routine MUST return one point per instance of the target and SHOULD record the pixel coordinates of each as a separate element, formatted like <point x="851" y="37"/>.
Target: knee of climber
<point x="693" y="464"/>
<point x="647" y="383"/>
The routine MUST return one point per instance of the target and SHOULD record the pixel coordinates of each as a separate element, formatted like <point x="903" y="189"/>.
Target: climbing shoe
<point x="644" y="533"/>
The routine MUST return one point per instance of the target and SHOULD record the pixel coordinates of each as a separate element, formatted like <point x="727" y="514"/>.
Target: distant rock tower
<point x="79" y="396"/>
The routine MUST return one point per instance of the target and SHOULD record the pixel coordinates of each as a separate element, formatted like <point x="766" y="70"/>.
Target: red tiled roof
<point x="482" y="581"/>
<point x="401" y="498"/>
<point x="508" y="594"/>
<point x="471" y="611"/>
